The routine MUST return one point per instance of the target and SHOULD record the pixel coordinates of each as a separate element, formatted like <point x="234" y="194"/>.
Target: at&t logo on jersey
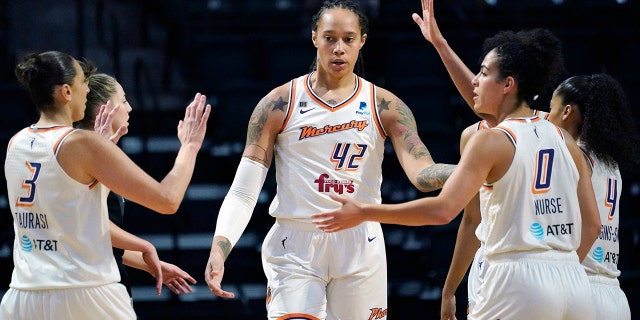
<point x="334" y="185"/>
<point x="538" y="231"/>
<point x="26" y="244"/>
<point x="598" y="254"/>
<point x="29" y="245"/>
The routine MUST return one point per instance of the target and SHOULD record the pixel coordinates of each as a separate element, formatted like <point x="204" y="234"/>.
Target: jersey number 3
<point x="29" y="185"/>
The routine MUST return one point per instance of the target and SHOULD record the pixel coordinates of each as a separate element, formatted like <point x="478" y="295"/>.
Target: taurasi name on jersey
<point x="30" y="220"/>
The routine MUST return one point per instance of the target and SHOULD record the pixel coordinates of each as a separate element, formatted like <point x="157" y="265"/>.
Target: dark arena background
<point x="235" y="51"/>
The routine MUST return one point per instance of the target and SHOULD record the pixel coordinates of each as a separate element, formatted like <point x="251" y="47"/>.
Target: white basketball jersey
<point x="62" y="237"/>
<point x="481" y="125"/>
<point x="534" y="206"/>
<point x="326" y="149"/>
<point x="607" y="186"/>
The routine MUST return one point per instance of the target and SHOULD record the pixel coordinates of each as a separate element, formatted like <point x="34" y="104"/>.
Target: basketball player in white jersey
<point x="619" y="145"/>
<point x="535" y="224"/>
<point x="58" y="178"/>
<point x="596" y="111"/>
<point x="106" y="91"/>
<point x="326" y="131"/>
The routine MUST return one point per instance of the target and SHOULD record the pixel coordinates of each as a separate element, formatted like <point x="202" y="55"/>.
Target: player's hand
<point x="448" y="307"/>
<point x="214" y="272"/>
<point x="150" y="257"/>
<point x="176" y="279"/>
<point x="349" y="215"/>
<point x="103" y="124"/>
<point x="427" y="23"/>
<point x="192" y="128"/>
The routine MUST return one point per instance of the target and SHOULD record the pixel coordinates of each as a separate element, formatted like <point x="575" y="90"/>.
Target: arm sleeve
<point x="241" y="199"/>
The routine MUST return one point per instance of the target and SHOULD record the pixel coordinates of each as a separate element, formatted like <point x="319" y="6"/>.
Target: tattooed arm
<point x="238" y="205"/>
<point x="414" y="157"/>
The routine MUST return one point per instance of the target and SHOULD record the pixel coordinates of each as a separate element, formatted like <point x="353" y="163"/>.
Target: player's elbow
<point x="443" y="217"/>
<point x="168" y="205"/>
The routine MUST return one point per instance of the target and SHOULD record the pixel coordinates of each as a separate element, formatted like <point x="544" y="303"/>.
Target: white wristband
<point x="237" y="207"/>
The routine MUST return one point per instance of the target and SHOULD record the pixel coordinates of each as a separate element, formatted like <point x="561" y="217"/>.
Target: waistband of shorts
<point x="602" y="279"/>
<point x="304" y="225"/>
<point x="538" y="255"/>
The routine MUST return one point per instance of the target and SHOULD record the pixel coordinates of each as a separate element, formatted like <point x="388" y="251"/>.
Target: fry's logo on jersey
<point x="339" y="186"/>
<point x="308" y="131"/>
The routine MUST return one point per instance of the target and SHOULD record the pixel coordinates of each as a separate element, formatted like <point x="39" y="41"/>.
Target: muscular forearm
<point x="221" y="246"/>
<point x="125" y="240"/>
<point x="134" y="259"/>
<point x="175" y="183"/>
<point x="433" y="177"/>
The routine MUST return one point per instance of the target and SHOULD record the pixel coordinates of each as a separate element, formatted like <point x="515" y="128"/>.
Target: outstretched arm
<point x="458" y="71"/>
<point x="484" y="157"/>
<point x="238" y="205"/>
<point x="414" y="157"/>
<point x="87" y="157"/>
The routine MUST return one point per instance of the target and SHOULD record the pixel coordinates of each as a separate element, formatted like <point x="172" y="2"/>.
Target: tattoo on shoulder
<point x="225" y="245"/>
<point x="259" y="117"/>
<point x="383" y="105"/>
<point x="279" y="104"/>
<point x="434" y="177"/>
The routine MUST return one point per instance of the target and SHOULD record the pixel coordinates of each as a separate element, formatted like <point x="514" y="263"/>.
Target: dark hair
<point x="608" y="128"/>
<point x="362" y="20"/>
<point x="101" y="87"/>
<point x="532" y="57"/>
<point x="42" y="72"/>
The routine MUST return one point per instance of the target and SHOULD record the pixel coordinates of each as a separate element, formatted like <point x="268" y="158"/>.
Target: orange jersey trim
<point x="62" y="137"/>
<point x="298" y="316"/>
<point x="376" y="116"/>
<point x="292" y="94"/>
<point x="325" y="105"/>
